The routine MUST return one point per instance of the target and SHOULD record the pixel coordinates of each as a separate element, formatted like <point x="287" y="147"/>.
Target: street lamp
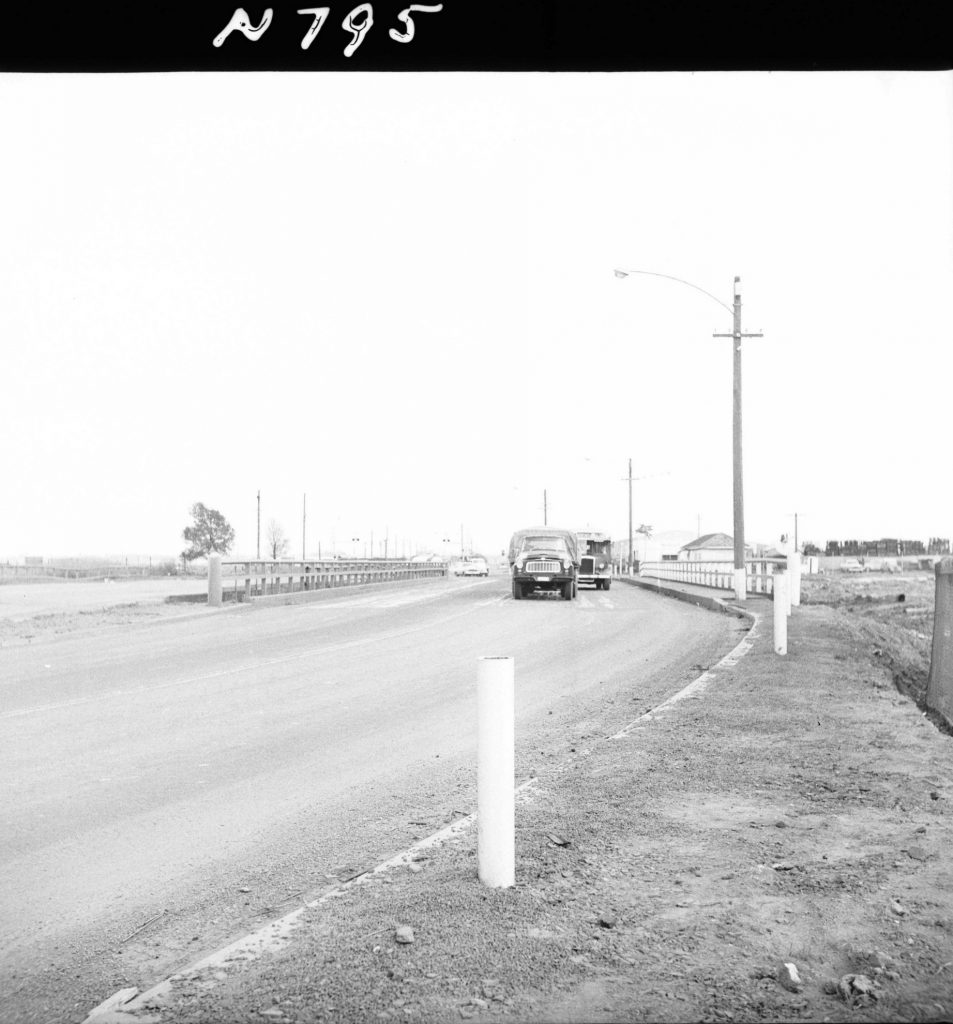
<point x="738" y="486"/>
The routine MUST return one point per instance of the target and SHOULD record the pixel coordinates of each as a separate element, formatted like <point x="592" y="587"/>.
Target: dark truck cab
<point x="544" y="559"/>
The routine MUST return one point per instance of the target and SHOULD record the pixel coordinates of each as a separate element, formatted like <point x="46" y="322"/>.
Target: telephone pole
<point x="304" y="519"/>
<point x="545" y="512"/>
<point x="258" y="542"/>
<point x="737" y="475"/>
<point x="630" y="512"/>
<point x="631" y="479"/>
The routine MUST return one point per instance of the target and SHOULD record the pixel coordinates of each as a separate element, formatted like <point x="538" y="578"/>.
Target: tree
<point x="276" y="540"/>
<point x="210" y="532"/>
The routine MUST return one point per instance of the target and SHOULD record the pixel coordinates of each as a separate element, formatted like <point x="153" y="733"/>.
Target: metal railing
<point x="243" y="581"/>
<point x="718" y="575"/>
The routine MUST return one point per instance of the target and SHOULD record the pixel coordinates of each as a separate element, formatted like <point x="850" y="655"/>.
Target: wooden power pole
<point x="737" y="475"/>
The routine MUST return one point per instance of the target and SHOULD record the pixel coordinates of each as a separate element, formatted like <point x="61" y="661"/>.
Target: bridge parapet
<point x="718" y="575"/>
<point x="243" y="581"/>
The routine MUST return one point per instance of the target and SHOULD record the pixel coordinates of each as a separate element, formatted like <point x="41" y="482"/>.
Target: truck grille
<point x="542" y="566"/>
<point x="587" y="566"/>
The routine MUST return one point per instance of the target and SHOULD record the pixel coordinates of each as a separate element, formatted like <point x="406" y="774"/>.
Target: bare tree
<point x="275" y="539"/>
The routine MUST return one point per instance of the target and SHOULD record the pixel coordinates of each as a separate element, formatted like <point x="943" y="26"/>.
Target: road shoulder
<point x="798" y="812"/>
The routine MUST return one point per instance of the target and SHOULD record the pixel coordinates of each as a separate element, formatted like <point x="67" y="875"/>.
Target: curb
<point x="715" y="604"/>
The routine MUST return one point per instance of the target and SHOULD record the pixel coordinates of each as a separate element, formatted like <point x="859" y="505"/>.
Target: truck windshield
<point x="556" y="544"/>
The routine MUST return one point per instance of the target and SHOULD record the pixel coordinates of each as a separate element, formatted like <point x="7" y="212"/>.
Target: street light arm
<point x="652" y="273"/>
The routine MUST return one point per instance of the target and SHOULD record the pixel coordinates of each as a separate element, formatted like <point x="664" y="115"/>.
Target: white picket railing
<point x="718" y="575"/>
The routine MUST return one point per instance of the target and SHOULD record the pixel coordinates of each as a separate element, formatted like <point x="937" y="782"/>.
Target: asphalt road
<point x="168" y="787"/>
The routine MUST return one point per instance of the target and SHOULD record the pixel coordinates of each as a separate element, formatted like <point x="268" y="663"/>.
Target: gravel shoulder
<point x="797" y="811"/>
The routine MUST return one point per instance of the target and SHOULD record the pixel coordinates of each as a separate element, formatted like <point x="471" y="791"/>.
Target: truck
<point x="544" y="558"/>
<point x="595" y="559"/>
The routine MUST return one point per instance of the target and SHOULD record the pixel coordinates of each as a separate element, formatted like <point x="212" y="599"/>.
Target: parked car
<point x="475" y="566"/>
<point x="852" y="565"/>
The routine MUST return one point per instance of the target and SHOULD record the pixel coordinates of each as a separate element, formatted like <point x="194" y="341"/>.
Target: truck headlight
<point x="602" y="565"/>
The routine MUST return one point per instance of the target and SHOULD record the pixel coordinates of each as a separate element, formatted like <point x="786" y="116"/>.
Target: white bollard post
<point x="496" y="801"/>
<point x="215" y="581"/>
<point x="794" y="568"/>
<point x="741" y="584"/>
<point x="780" y="613"/>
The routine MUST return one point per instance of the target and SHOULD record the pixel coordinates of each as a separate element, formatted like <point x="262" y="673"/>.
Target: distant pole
<point x="304" y="519"/>
<point x="630" y="512"/>
<point x="795" y="532"/>
<point x="545" y="510"/>
<point x="258" y="543"/>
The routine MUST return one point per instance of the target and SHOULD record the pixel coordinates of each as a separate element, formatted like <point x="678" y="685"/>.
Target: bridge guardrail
<point x="718" y="575"/>
<point x="243" y="581"/>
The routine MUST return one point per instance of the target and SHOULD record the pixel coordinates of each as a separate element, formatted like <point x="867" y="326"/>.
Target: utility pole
<point x="258" y="543"/>
<point x="737" y="476"/>
<point x="630" y="512"/>
<point x="304" y="519"/>
<point x="545" y="511"/>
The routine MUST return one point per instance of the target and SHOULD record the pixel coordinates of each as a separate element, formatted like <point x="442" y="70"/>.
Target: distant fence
<point x="718" y="575"/>
<point x="243" y="581"/>
<point x="26" y="573"/>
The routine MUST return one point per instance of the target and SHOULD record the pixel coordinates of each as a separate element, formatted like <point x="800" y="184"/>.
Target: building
<point x="711" y="547"/>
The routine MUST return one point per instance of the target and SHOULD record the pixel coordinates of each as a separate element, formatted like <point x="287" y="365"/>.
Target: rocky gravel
<point x="773" y="849"/>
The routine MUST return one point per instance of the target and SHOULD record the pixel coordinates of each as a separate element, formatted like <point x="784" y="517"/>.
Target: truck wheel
<point x="567" y="590"/>
<point x="606" y="584"/>
<point x="517" y="591"/>
<point x="600" y="584"/>
<point x="575" y="588"/>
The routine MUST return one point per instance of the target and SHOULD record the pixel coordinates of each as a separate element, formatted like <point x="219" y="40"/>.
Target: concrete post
<point x="741" y="583"/>
<point x="780" y="613"/>
<point x="940" y="682"/>
<point x="215" y="581"/>
<point x="496" y="802"/>
<point x="794" y="582"/>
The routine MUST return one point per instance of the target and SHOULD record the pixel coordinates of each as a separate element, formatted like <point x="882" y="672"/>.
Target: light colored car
<point x="851" y="565"/>
<point x="475" y="567"/>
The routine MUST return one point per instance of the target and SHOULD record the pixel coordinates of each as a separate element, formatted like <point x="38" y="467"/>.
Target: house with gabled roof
<point x="711" y="547"/>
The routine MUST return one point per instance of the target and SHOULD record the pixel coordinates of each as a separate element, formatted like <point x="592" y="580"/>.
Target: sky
<point x="390" y="300"/>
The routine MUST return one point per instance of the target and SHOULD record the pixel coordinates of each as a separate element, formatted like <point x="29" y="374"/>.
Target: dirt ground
<point x="796" y="812"/>
<point x="894" y="611"/>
